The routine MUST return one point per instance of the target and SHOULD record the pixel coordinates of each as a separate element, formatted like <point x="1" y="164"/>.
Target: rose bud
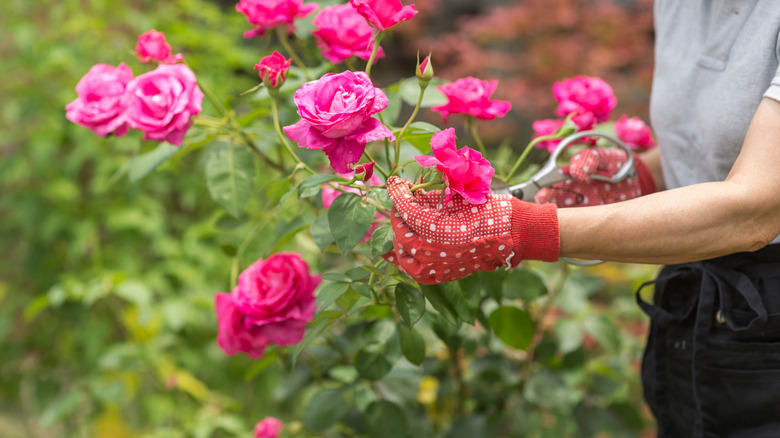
<point x="364" y="171"/>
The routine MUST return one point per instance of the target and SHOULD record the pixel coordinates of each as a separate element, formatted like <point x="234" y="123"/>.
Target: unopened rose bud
<point x="364" y="171"/>
<point x="273" y="70"/>
<point x="424" y="70"/>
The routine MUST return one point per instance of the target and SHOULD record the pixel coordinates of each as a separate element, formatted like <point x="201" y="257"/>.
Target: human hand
<point x="436" y="243"/>
<point x="582" y="190"/>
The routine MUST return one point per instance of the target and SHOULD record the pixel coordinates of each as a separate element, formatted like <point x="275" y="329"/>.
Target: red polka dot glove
<point x="436" y="243"/>
<point x="582" y="191"/>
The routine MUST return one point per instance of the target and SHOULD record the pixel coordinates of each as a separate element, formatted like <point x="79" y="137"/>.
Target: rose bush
<point x="357" y="348"/>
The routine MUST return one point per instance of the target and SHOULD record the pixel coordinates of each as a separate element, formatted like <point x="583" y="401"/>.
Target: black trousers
<point x="712" y="363"/>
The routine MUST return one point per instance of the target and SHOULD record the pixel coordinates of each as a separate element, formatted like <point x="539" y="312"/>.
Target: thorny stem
<point x="525" y="153"/>
<point x="423" y="185"/>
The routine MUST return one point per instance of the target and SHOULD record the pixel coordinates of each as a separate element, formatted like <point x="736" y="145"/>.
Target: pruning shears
<point x="551" y="173"/>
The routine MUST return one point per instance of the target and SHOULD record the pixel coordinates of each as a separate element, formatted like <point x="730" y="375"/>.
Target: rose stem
<point x="525" y="153"/>
<point x="377" y="40"/>
<point x="278" y="129"/>
<point x="282" y="33"/>
<point x="473" y="129"/>
<point x="406" y="126"/>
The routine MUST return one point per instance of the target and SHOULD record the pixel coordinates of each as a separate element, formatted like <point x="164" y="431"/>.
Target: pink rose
<point x="271" y="304"/>
<point x="273" y="69"/>
<point x="270" y="427"/>
<point x="590" y="97"/>
<point x="383" y="14"/>
<point x="329" y="194"/>
<point x="268" y="14"/>
<point x="465" y="171"/>
<point x="341" y="32"/>
<point x="152" y="46"/>
<point x="99" y="105"/>
<point x="635" y="133"/>
<point x="471" y="96"/>
<point x="336" y="115"/>
<point x="162" y="102"/>
<point x="543" y="128"/>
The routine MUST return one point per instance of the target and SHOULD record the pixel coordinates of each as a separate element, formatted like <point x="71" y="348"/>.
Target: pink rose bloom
<point x="584" y="94"/>
<point x="336" y="117"/>
<point x="383" y="14"/>
<point x="635" y="133"/>
<point x="341" y="32"/>
<point x="471" y="96"/>
<point x="99" y="106"/>
<point x="544" y="128"/>
<point x="265" y="15"/>
<point x="465" y="171"/>
<point x="162" y="102"/>
<point x="270" y="427"/>
<point x="273" y="69"/>
<point x="152" y="46"/>
<point x="271" y="304"/>
<point x="329" y="194"/>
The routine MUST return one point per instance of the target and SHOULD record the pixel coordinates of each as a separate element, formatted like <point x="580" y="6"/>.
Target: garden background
<point x="107" y="281"/>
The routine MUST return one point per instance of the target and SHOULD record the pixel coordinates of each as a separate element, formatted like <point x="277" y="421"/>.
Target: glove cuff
<point x="535" y="232"/>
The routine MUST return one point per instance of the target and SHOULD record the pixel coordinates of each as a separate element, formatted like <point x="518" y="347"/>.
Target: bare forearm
<point x="686" y="224"/>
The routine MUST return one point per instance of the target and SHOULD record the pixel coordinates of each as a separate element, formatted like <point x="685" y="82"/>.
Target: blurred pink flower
<point x="465" y="171"/>
<point x="383" y="14"/>
<point x="271" y="304"/>
<point x="268" y="14"/>
<point x="152" y="46"/>
<point x="270" y="427"/>
<point x="544" y="128"/>
<point x="341" y="32"/>
<point x="336" y="115"/>
<point x="329" y="194"/>
<point x="471" y="96"/>
<point x="99" y="105"/>
<point x="635" y="133"/>
<point x="162" y="102"/>
<point x="591" y="98"/>
<point x="273" y="69"/>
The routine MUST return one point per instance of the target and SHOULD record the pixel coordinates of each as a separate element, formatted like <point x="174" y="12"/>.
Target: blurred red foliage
<point x="529" y="44"/>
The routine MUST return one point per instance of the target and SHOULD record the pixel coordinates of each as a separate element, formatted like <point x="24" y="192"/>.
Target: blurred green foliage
<point x="107" y="280"/>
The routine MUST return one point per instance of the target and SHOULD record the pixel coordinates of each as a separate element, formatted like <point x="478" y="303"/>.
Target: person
<point x="712" y="362"/>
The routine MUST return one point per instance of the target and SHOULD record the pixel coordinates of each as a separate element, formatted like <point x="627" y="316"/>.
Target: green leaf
<point x="328" y="294"/>
<point x="603" y="330"/>
<point x="492" y="283"/>
<point x="513" y="326"/>
<point x="320" y="232"/>
<point x="142" y="165"/>
<point x="569" y="333"/>
<point x="524" y="285"/>
<point x="362" y="288"/>
<point x="386" y="420"/>
<point x="434" y="295"/>
<point x="394" y="105"/>
<point x="275" y="189"/>
<point x="372" y="363"/>
<point x="325" y="409"/>
<point x="319" y="324"/>
<point x="412" y="344"/>
<point x="419" y="135"/>
<point x="230" y="176"/>
<point x="382" y="240"/>
<point x="410" y="303"/>
<point x="349" y="220"/>
<point x="259" y="366"/>
<point x="61" y="407"/>
<point x="410" y="93"/>
<point x="464" y="307"/>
